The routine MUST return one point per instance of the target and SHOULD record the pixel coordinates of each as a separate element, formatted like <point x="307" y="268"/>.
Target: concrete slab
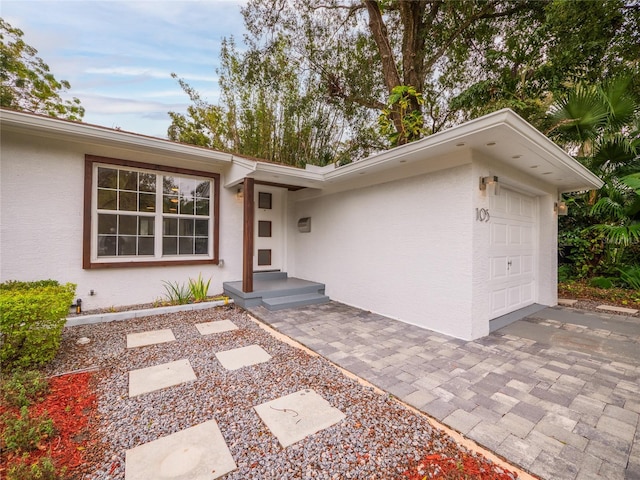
<point x="609" y="308"/>
<point x="197" y="453"/>
<point x="243" y="357"/>
<point x="293" y="417"/>
<point x="567" y="302"/>
<point x="145" y="380"/>
<point x="142" y="339"/>
<point x="216" y="327"/>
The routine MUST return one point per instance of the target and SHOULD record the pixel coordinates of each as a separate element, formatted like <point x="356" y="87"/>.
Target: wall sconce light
<point x="490" y="185"/>
<point x="240" y="192"/>
<point x="561" y="208"/>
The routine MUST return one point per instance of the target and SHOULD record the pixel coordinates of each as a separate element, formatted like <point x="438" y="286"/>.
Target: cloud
<point x="146" y="72"/>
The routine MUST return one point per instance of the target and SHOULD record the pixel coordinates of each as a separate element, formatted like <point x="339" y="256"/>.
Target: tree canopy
<point x="27" y="83"/>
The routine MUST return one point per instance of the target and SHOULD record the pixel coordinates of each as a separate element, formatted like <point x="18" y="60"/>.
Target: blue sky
<point x="118" y="55"/>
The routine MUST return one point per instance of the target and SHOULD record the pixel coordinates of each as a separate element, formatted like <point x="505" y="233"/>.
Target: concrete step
<point x="291" y="301"/>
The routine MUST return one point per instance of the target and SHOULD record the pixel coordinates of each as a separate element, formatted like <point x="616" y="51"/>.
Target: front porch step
<point x="276" y="291"/>
<point x="291" y="301"/>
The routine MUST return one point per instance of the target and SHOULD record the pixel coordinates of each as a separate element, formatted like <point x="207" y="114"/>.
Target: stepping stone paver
<point x="197" y="453"/>
<point x="145" y="380"/>
<point x="243" y="357"/>
<point x="216" y="327"/>
<point x="142" y="339"/>
<point x="293" y="417"/>
<point x="609" y="308"/>
<point x="567" y="302"/>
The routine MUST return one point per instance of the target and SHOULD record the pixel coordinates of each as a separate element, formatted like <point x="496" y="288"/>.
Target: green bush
<point x="631" y="276"/>
<point x="24" y="387"/>
<point x="601" y="282"/>
<point x="43" y="469"/>
<point x="32" y="316"/>
<point x="199" y="288"/>
<point x="24" y="433"/>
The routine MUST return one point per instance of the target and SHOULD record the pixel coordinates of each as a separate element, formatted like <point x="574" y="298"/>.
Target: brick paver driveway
<point x="557" y="393"/>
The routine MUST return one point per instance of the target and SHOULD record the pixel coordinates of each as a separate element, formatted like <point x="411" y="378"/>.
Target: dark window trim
<point x="88" y="212"/>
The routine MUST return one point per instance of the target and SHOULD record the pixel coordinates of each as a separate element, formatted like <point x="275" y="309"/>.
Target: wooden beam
<point x="247" y="243"/>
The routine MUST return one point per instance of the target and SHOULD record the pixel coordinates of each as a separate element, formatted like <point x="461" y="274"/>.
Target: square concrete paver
<point x="142" y="339"/>
<point x="242" y="357"/>
<point x="149" y="379"/>
<point x="216" y="327"/>
<point x="293" y="417"/>
<point x="197" y="453"/>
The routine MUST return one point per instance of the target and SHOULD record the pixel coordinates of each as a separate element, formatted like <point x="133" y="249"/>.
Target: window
<point x="139" y="214"/>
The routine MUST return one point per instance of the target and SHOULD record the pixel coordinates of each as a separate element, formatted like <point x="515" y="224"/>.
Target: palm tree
<point x="601" y="126"/>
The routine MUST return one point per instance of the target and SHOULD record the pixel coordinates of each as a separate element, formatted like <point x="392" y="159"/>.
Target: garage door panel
<point x="512" y="251"/>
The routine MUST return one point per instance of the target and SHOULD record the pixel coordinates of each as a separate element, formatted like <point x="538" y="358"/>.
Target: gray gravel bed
<point x="379" y="437"/>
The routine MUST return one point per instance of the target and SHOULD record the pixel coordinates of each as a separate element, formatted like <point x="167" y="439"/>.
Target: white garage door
<point x="512" y="251"/>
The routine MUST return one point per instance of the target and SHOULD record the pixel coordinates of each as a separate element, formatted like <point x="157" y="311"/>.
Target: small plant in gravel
<point x="24" y="387"/>
<point x="199" y="288"/>
<point x="24" y="433"/>
<point x="177" y="293"/>
<point x="43" y="469"/>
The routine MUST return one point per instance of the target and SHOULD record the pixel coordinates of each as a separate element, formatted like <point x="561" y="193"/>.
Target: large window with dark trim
<point x="140" y="214"/>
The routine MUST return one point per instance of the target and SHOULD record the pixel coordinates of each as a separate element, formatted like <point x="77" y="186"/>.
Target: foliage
<point x="199" y="289"/>
<point x="42" y="469"/>
<point x="601" y="282"/>
<point x="631" y="276"/>
<point x="623" y="297"/>
<point x="23" y="387"/>
<point x="269" y="109"/>
<point x="23" y="432"/>
<point x="31" y="321"/>
<point x="409" y="122"/>
<point x="177" y="293"/>
<point x="27" y="84"/>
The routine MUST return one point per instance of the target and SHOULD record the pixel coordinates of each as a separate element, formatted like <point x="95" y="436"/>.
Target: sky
<point x="118" y="55"/>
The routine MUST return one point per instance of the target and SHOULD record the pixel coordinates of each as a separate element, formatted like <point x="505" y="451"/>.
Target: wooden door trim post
<point x="247" y="250"/>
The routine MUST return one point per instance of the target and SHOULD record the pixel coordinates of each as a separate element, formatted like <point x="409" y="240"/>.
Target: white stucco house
<point x="447" y="233"/>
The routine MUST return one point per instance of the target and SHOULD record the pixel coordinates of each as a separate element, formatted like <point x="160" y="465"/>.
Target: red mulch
<point x="70" y="403"/>
<point x="464" y="467"/>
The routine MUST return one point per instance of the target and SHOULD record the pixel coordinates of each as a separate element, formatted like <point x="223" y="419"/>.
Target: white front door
<point x="512" y="251"/>
<point x="269" y="228"/>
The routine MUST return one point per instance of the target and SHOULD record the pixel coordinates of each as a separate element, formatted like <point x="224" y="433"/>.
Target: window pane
<point x="126" y="245"/>
<point x="202" y="228"/>
<point x="147" y="202"/>
<point x="145" y="246"/>
<point x="170" y="185"/>
<point x="202" y="207"/>
<point x="202" y="246"/>
<point x="170" y="226"/>
<point x="186" y="227"/>
<point x="264" y="200"/>
<point x="146" y="226"/>
<point x="169" y="204"/>
<point x="106" y="245"/>
<point x="128" y="180"/>
<point x="128" y="201"/>
<point x="186" y="205"/>
<point x="128" y="225"/>
<point x="107" y="177"/>
<point x="107" y="199"/>
<point x="186" y="246"/>
<point x="264" y="228"/>
<point x="107" y="223"/>
<point x="203" y="189"/>
<point x="264" y="257"/>
<point x="147" y="182"/>
<point x="169" y="246"/>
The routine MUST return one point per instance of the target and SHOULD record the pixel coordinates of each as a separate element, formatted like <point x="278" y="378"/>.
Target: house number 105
<point x="482" y="215"/>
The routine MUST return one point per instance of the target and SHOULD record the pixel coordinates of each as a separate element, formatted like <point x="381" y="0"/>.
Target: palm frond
<point x="580" y="114"/>
<point x="608" y="208"/>
<point x="624" y="235"/>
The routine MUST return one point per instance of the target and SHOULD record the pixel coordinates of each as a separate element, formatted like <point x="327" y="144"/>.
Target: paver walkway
<point x="557" y="393"/>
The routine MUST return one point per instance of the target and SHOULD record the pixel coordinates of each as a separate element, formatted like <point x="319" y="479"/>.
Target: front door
<point x="269" y="228"/>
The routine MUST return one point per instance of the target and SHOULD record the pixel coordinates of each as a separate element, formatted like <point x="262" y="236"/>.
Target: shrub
<point x="177" y="293"/>
<point x="24" y="387"/>
<point x="631" y="276"/>
<point x="601" y="282"/>
<point x="24" y="433"/>
<point x="199" y="288"/>
<point x="43" y="469"/>
<point x="32" y="316"/>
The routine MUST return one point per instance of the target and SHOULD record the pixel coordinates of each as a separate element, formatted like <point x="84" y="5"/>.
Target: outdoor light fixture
<point x="490" y="185"/>
<point x="561" y="208"/>
<point x="240" y="192"/>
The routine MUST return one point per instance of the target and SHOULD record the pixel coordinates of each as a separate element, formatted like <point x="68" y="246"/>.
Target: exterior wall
<point x="401" y="249"/>
<point x="546" y="239"/>
<point x="41" y="225"/>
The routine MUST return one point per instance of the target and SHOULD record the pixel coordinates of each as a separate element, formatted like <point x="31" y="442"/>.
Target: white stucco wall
<point x="401" y="249"/>
<point x="41" y="225"/>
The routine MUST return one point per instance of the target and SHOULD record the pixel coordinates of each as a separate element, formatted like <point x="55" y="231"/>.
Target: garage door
<point x="512" y="251"/>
